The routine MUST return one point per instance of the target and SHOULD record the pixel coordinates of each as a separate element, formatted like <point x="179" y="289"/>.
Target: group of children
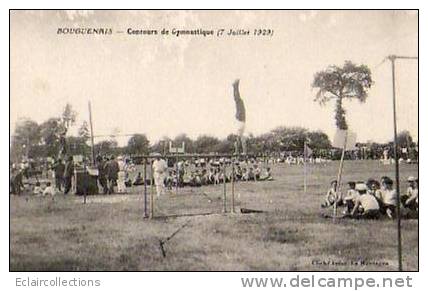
<point x="372" y="199"/>
<point x="47" y="190"/>
<point x="183" y="176"/>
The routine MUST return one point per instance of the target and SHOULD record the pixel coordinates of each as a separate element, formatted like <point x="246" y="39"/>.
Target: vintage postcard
<point x="214" y="140"/>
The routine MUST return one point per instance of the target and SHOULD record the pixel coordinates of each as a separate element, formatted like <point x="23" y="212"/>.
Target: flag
<point x="307" y="151"/>
<point x="240" y="108"/>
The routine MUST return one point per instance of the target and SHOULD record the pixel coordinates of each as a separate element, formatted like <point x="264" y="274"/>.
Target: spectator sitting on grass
<point x="257" y="172"/>
<point x="37" y="189"/>
<point x="350" y="198"/>
<point x="49" y="190"/>
<point x="138" y="180"/>
<point x="389" y="198"/>
<point x="411" y="198"/>
<point x="373" y="187"/>
<point x="366" y="205"/>
<point x="332" y="196"/>
<point x="267" y="176"/>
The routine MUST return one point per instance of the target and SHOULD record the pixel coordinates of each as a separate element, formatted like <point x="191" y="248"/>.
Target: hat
<point x="361" y="187"/>
<point x="411" y="179"/>
<point x="119" y="158"/>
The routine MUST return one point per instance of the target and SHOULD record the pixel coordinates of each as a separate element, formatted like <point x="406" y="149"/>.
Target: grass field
<point x="109" y="232"/>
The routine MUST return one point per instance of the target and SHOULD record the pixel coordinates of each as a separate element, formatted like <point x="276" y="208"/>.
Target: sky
<point x="167" y="85"/>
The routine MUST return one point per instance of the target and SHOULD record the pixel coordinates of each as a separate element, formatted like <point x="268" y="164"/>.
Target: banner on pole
<point x="342" y="135"/>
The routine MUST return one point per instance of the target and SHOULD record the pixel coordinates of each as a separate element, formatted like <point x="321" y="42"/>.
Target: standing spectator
<point x="159" y="168"/>
<point x="121" y="187"/>
<point x="17" y="184"/>
<point x="102" y="179"/>
<point x="59" y="169"/>
<point x="68" y="174"/>
<point x="112" y="172"/>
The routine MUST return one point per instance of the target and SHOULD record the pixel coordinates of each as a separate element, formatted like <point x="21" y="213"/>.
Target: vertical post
<point x="397" y="168"/>
<point x="85" y="185"/>
<point x="145" y="187"/>
<point x="151" y="192"/>
<point x="304" y="167"/>
<point x="176" y="172"/>
<point x="339" y="175"/>
<point x="224" y="186"/>
<point x="92" y="133"/>
<point x="232" y="210"/>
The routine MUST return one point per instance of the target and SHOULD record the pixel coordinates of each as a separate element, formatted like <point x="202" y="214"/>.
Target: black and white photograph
<point x="213" y="140"/>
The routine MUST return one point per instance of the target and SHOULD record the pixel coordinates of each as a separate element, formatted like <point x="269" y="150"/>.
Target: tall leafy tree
<point x="84" y="132"/>
<point x="340" y="83"/>
<point x="25" y="139"/>
<point x="68" y="116"/>
<point x="179" y="139"/>
<point x="206" y="144"/>
<point x="404" y="139"/>
<point x="318" y="140"/>
<point x="50" y="131"/>
<point x="138" y="144"/>
<point x="106" y="147"/>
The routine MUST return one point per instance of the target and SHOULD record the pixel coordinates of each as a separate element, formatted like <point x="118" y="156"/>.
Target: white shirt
<point x="160" y="166"/>
<point x="389" y="197"/>
<point x="49" y="190"/>
<point x="352" y="195"/>
<point x="122" y="165"/>
<point x="368" y="202"/>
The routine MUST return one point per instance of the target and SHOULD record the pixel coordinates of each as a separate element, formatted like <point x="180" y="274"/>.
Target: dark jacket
<point x="112" y="170"/>
<point x="69" y="169"/>
<point x="59" y="169"/>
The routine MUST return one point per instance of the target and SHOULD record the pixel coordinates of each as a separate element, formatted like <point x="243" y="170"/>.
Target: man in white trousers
<point x="159" y="170"/>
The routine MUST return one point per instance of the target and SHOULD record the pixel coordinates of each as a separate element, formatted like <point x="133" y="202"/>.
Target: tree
<point x="161" y="146"/>
<point x="290" y="138"/>
<point x="68" y="116"/>
<point x="340" y="83"/>
<point x="25" y="140"/>
<point x="50" y="131"/>
<point x="318" y="140"/>
<point x="206" y="144"/>
<point x="404" y="139"/>
<point x="188" y="142"/>
<point x="138" y="144"/>
<point x="227" y="145"/>
<point x="77" y="146"/>
<point x="105" y="147"/>
<point x="84" y="131"/>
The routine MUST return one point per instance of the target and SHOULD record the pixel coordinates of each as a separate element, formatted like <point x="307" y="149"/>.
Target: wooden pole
<point x="232" y="210"/>
<point x="145" y="188"/>
<point x="176" y="172"/>
<point x="224" y="186"/>
<point x="397" y="168"/>
<point x="151" y="193"/>
<point x="304" y="167"/>
<point x="92" y="133"/>
<point x="339" y="176"/>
